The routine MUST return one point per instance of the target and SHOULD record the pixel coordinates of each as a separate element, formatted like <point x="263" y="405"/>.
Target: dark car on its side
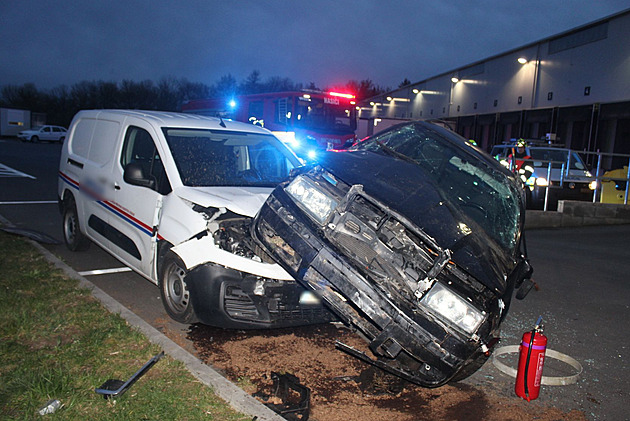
<point x="414" y="238"/>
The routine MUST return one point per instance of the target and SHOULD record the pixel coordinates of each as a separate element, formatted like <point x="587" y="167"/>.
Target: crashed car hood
<point x="412" y="194"/>
<point x="241" y="200"/>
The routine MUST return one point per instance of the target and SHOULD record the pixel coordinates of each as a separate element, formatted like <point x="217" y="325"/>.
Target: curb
<point x="222" y="387"/>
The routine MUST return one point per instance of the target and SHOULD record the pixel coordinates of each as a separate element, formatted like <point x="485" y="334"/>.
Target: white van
<point x="172" y="196"/>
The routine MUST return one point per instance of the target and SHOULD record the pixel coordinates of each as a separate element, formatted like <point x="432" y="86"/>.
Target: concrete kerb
<point x="576" y="214"/>
<point x="222" y="387"/>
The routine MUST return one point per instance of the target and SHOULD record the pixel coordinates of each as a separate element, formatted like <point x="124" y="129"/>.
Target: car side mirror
<point x="134" y="175"/>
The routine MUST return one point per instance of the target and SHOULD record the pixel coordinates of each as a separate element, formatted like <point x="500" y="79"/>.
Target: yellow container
<point x="613" y="191"/>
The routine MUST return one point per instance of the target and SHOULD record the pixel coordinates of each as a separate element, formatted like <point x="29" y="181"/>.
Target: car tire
<point x="174" y="291"/>
<point x="73" y="237"/>
<point x="34" y="139"/>
<point x="61" y="139"/>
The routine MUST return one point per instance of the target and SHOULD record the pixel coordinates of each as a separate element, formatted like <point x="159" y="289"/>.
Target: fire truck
<point x="308" y="121"/>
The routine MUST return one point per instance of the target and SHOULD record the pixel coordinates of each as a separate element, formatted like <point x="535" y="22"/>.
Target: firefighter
<point x="519" y="155"/>
<point x="519" y="159"/>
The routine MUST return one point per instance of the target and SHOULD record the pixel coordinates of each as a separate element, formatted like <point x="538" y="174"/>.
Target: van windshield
<point x="206" y="158"/>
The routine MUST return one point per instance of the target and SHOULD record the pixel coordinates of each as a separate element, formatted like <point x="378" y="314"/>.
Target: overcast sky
<point x="328" y="42"/>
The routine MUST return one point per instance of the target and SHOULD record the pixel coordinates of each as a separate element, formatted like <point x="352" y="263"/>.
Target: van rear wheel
<point x="174" y="291"/>
<point x="72" y="235"/>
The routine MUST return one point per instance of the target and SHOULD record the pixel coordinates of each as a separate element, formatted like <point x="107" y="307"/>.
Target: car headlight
<point x="542" y="182"/>
<point x="314" y="201"/>
<point x="453" y="308"/>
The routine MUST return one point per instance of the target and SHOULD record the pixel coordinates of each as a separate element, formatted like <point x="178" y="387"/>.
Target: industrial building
<point x="571" y="88"/>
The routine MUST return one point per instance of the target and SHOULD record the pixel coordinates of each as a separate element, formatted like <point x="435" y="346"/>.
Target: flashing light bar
<point x="342" y="95"/>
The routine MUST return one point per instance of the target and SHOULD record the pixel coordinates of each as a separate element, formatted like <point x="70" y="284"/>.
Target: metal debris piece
<point x="113" y="388"/>
<point x="50" y="407"/>
<point x="289" y="408"/>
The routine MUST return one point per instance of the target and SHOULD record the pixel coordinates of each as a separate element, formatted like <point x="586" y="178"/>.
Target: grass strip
<point x="58" y="342"/>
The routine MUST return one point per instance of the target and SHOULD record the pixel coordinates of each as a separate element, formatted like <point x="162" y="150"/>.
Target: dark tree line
<point x="60" y="104"/>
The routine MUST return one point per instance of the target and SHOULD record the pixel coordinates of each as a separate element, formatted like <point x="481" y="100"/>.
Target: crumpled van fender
<point x="199" y="251"/>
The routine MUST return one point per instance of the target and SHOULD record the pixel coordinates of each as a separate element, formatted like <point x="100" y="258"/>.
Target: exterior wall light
<point x="454" y="79"/>
<point x="522" y="60"/>
<point x="416" y="91"/>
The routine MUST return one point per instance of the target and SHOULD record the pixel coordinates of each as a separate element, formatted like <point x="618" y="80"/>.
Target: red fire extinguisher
<point x="530" y="363"/>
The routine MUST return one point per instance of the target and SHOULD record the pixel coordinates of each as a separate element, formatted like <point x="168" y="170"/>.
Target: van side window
<point x="139" y="148"/>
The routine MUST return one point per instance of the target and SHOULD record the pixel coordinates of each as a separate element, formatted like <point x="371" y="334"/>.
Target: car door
<point x="137" y="208"/>
<point x="57" y="133"/>
<point x="46" y="133"/>
<point x="93" y="152"/>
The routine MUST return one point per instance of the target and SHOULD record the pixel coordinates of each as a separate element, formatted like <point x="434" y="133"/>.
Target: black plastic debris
<point x="40" y="237"/>
<point x="113" y="388"/>
<point x="295" y="398"/>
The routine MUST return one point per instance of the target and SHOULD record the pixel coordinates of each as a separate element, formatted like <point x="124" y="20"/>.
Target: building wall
<point x="13" y="121"/>
<point x="575" y="84"/>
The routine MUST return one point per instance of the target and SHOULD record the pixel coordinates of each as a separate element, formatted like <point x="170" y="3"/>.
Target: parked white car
<point x="172" y="196"/>
<point x="44" y="133"/>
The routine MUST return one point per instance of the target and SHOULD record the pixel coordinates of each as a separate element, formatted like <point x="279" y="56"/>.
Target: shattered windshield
<point x="480" y="192"/>
<point x="225" y="158"/>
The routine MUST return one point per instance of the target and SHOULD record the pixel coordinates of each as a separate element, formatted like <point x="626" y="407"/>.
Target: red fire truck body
<point x="307" y="120"/>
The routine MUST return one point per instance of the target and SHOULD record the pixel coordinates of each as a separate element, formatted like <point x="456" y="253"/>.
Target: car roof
<point x="174" y="119"/>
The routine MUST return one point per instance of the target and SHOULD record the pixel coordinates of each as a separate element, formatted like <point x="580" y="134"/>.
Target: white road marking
<point x="104" y="271"/>
<point x="10" y="172"/>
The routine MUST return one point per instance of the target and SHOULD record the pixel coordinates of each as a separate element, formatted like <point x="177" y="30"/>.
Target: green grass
<point x="58" y="342"/>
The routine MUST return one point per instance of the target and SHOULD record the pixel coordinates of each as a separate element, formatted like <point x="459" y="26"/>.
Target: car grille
<point x="383" y="248"/>
<point x="239" y="305"/>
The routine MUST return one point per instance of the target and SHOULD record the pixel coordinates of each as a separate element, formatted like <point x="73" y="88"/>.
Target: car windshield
<point x="227" y="158"/>
<point x="558" y="157"/>
<point x="482" y="193"/>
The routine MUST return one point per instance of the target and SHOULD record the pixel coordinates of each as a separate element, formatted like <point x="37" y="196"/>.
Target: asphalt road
<point x="582" y="274"/>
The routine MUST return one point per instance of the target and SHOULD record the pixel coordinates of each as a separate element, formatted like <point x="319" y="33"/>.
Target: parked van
<point x="172" y="196"/>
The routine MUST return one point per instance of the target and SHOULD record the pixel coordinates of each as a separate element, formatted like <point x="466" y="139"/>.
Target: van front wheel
<point x="174" y="291"/>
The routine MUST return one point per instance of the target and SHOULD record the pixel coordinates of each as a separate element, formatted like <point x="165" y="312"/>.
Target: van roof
<point x="173" y="119"/>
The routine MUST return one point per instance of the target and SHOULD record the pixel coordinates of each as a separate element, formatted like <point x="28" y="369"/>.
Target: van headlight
<point x="453" y="308"/>
<point x="592" y="185"/>
<point x="315" y="202"/>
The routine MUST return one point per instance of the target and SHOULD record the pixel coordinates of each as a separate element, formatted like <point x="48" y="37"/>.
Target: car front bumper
<point x="228" y="298"/>
<point x="411" y="344"/>
<point x="568" y="191"/>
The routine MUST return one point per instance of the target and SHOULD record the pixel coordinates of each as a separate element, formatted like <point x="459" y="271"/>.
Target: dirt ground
<point x="344" y="388"/>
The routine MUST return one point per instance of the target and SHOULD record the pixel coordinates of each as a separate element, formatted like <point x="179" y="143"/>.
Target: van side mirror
<point x="134" y="175"/>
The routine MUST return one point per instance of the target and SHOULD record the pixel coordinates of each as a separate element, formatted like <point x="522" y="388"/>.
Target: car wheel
<point x="61" y="139"/>
<point x="73" y="237"/>
<point x="34" y="139"/>
<point x="174" y="291"/>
